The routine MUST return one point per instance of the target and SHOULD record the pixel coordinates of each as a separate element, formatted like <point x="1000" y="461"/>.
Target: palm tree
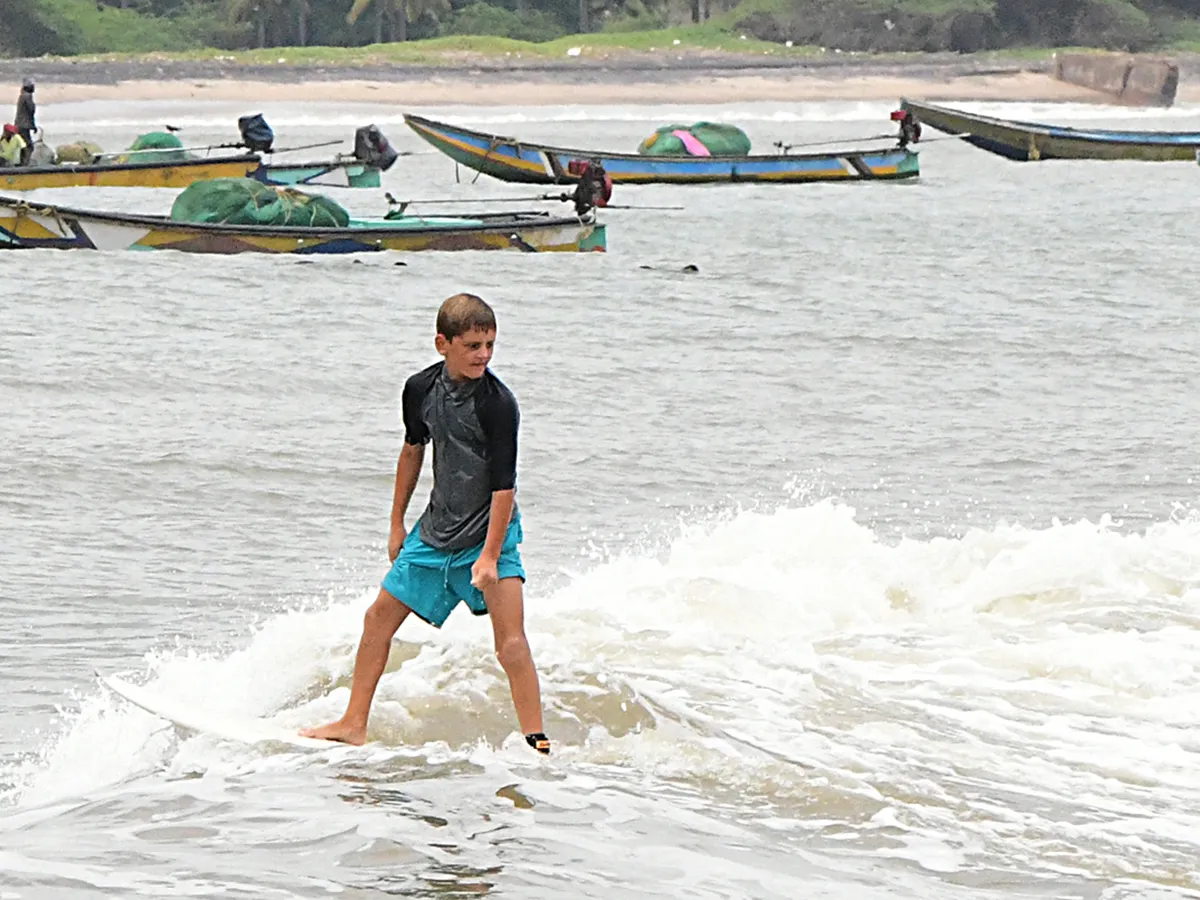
<point x="384" y="10"/>
<point x="259" y="12"/>
<point x="302" y="10"/>
<point x="273" y="17"/>
<point x="398" y="14"/>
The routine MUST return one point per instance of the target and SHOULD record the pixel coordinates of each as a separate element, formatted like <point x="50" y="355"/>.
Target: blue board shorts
<point x="432" y="582"/>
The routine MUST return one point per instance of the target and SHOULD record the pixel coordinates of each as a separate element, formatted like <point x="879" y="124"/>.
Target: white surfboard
<point x="247" y="731"/>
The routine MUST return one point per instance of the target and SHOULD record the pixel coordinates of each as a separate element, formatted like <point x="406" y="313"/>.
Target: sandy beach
<point x="634" y="78"/>
<point x="699" y="89"/>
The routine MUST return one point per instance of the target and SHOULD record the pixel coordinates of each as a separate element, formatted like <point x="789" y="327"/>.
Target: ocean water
<point x="864" y="561"/>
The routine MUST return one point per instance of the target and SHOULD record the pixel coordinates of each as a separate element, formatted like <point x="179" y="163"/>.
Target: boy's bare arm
<point x="501" y="512"/>
<point x="484" y="573"/>
<point x="408" y="470"/>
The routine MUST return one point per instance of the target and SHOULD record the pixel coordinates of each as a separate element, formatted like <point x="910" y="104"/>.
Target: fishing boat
<point x="27" y="225"/>
<point x="1029" y="141"/>
<point x="509" y="159"/>
<point x="335" y="173"/>
<point x="177" y="167"/>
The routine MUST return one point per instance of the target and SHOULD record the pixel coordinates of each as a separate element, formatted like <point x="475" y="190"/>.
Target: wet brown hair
<point x="462" y="313"/>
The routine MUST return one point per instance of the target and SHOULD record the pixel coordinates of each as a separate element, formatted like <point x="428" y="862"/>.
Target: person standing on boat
<point x="12" y="146"/>
<point x="26" y="121"/>
<point x="910" y="128"/>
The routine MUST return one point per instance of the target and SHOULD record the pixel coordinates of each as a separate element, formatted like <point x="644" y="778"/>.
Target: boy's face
<point x="467" y="355"/>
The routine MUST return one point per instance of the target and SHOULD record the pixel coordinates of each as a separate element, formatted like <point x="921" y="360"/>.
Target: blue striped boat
<point x="509" y="159"/>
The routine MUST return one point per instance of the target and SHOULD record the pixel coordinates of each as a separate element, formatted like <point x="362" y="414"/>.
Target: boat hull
<point x="1031" y="142"/>
<point x="33" y="226"/>
<point x="181" y="174"/>
<point x="165" y="175"/>
<point x="517" y="161"/>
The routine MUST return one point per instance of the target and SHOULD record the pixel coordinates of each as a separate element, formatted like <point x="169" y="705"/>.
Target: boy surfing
<point x="463" y="548"/>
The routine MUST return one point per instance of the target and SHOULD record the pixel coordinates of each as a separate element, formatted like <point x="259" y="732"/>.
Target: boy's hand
<point x="395" y="542"/>
<point x="483" y="573"/>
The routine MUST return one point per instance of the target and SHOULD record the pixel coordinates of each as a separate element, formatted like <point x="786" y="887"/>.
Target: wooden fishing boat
<point x="26" y="225"/>
<point x="1029" y="141"/>
<point x="161" y="160"/>
<point x="521" y="161"/>
<point x="335" y="173"/>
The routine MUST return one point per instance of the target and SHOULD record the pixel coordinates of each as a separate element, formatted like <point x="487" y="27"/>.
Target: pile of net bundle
<point x="42" y="154"/>
<point x="84" y="152"/>
<point x="701" y="139"/>
<point x="156" y="147"/>
<point x="244" y="201"/>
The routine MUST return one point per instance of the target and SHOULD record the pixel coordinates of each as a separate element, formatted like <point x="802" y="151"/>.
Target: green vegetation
<point x="456" y="49"/>
<point x="483" y="18"/>
<point x="89" y="28"/>
<point x="426" y="31"/>
<point x="967" y="25"/>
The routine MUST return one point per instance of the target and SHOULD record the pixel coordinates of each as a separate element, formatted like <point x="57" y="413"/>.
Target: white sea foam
<point x="294" y="121"/>
<point x="945" y="698"/>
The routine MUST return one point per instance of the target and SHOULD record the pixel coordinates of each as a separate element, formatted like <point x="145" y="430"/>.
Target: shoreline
<point x="698" y="89"/>
<point x="690" y="77"/>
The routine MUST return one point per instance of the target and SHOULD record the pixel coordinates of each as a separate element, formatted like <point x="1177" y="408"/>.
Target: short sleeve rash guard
<point x="473" y="427"/>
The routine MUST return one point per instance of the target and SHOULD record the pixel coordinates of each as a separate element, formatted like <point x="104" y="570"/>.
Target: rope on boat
<point x="24" y="209"/>
<point x="949" y="137"/>
<point x="784" y="148"/>
<point x="492" y="145"/>
<point x="562" y="198"/>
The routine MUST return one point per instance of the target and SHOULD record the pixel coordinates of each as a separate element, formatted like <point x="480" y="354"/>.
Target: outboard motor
<point x="256" y="133"/>
<point x="595" y="185"/>
<point x="373" y="149"/>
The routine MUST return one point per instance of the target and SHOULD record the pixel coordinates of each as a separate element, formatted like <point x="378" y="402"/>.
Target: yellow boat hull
<point x="155" y="175"/>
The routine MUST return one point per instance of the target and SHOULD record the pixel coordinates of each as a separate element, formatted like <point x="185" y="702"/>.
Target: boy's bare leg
<point x="506" y="607"/>
<point x="379" y="626"/>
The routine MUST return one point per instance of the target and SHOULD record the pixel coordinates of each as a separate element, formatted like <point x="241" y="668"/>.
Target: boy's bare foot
<point x="340" y="731"/>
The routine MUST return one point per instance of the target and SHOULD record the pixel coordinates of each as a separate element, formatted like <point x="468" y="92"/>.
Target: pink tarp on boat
<point x="693" y="146"/>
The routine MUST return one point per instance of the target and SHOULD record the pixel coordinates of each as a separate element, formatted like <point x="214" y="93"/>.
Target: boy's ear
<point x="441" y="343"/>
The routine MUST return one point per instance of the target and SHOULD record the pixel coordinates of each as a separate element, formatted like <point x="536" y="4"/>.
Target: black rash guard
<point x="473" y="425"/>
